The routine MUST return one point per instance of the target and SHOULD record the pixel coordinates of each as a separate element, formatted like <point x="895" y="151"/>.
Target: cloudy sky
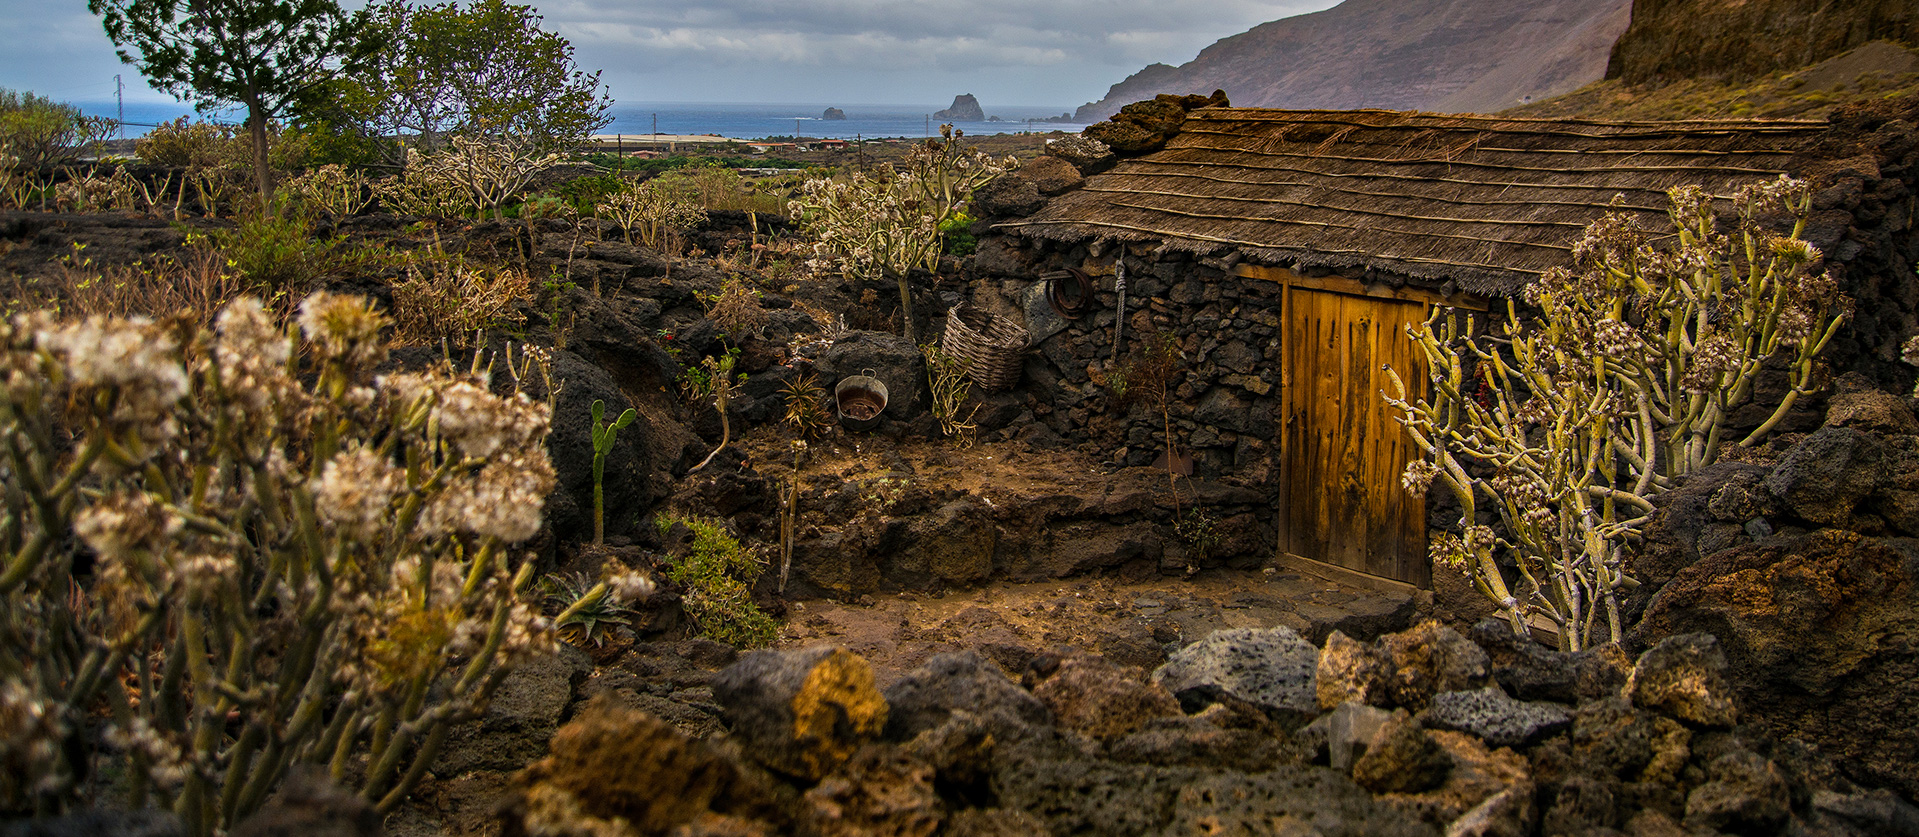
<point x="1053" y="53"/>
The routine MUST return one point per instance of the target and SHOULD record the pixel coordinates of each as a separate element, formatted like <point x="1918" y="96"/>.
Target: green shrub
<point x="718" y="574"/>
<point x="37" y="132"/>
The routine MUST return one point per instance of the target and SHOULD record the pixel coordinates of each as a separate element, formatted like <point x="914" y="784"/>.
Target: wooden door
<point x="1341" y="501"/>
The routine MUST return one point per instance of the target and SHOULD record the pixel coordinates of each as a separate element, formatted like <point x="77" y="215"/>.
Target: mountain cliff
<point x="1738" y="40"/>
<point x="1434" y="55"/>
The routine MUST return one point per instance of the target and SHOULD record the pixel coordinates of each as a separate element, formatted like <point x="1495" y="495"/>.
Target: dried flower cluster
<point x="1622" y="385"/>
<point x="333" y="189"/>
<point x="292" y="560"/>
<point x="652" y="207"/>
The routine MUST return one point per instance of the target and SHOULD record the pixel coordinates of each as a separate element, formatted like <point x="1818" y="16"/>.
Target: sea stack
<point x="833" y="113"/>
<point x="965" y="109"/>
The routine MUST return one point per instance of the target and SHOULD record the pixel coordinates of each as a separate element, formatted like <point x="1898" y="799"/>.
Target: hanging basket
<point x="990" y="345"/>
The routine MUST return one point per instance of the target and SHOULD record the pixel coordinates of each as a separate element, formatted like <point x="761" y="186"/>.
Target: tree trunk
<point x="262" y="172"/>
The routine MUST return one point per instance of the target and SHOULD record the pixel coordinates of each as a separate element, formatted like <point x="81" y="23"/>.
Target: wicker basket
<point x="990" y="345"/>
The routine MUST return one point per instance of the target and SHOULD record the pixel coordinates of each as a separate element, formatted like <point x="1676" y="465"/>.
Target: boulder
<point x="926" y="697"/>
<point x="525" y="711"/>
<point x="801" y="712"/>
<point x="309" y="804"/>
<point x="1093" y="697"/>
<point x="1051" y="175"/>
<point x="98" y="822"/>
<point x="1684" y="677"/>
<point x="613" y="763"/>
<point x="1530" y="671"/>
<point x="1493" y="716"/>
<point x="1824" y="478"/>
<point x="1351" y="671"/>
<point x="1086" y="155"/>
<point x="1350" y="729"/>
<point x="1744" y="794"/>
<point x="1007" y="196"/>
<point x="880" y="791"/>
<point x="1401" y="758"/>
<point x="1270" y="668"/>
<point x="952" y="546"/>
<point x="1432" y="658"/>
<point x="893" y="359"/>
<point x="1816" y="632"/>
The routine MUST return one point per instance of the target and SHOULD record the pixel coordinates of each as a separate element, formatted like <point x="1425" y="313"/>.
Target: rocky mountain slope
<point x="1436" y="55"/>
<point x="1743" y="39"/>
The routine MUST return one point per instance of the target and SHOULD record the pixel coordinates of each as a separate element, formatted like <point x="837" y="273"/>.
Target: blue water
<point x="740" y="121"/>
<point x="753" y="121"/>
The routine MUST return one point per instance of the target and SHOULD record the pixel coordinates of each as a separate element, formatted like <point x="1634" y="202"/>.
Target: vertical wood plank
<point x="1343" y="452"/>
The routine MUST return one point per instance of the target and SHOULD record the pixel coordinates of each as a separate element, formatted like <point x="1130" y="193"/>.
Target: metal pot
<point x="860" y="399"/>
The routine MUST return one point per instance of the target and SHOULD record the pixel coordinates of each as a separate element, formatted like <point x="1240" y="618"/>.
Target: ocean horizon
<point x="737" y="120"/>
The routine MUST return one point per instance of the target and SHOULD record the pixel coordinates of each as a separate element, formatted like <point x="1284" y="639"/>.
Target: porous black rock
<point x="1495" y="717"/>
<point x="1271" y="668"/>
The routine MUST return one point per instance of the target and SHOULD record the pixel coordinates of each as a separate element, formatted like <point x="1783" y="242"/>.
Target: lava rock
<point x="1430" y="659"/>
<point x="615" y="762"/>
<point x="1350" y="729"/>
<point x="99" y="823"/>
<point x="1402" y="758"/>
<point x="1877" y="812"/>
<point x="1684" y="677"/>
<point x="1496" y="718"/>
<point x="1816" y="632"/>
<point x="880" y="791"/>
<point x="893" y="359"/>
<point x="801" y="712"/>
<point x="1008" y="195"/>
<point x="1611" y="738"/>
<point x="1530" y="671"/>
<point x="311" y="805"/>
<point x="525" y="711"/>
<point x="1745" y="795"/>
<point x="1271" y="668"/>
<point x="1351" y="671"/>
<point x="1287" y="799"/>
<point x="926" y="697"/>
<point x="1051" y="175"/>
<point x="1093" y="697"/>
<point x="1086" y="154"/>
<point x="1824" y="478"/>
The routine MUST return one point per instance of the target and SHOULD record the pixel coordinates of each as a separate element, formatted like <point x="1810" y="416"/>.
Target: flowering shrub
<point x="332" y="189"/>
<point x="886" y="223"/>
<point x="227" y="553"/>
<point x="1621" y="387"/>
<point x="650" y="208"/>
<point x="470" y="175"/>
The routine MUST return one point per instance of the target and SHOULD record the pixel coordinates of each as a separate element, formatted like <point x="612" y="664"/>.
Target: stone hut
<point x="1285" y="252"/>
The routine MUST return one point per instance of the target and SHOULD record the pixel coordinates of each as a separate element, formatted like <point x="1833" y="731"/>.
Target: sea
<point x="735" y="120"/>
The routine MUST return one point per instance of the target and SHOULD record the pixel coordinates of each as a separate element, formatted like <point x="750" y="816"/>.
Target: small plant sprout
<point x="950" y="385"/>
<point x="603" y="436"/>
<point x="719" y="375"/>
<point x="586" y="605"/>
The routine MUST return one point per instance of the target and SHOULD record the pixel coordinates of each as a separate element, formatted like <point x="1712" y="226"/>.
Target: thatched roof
<point x="1486" y="202"/>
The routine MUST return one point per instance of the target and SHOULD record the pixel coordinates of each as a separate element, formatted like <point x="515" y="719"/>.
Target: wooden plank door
<point x="1342" y="452"/>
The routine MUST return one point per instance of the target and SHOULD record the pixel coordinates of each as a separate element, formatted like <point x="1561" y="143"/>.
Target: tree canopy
<point x="262" y="55"/>
<point x="484" y="70"/>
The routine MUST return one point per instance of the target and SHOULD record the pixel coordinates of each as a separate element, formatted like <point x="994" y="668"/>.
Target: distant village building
<point x="1288" y="251"/>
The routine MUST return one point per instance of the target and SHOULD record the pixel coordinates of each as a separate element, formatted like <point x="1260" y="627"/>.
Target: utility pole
<point x="859" y="143"/>
<point x="796" y="130"/>
<point x="656" y="128"/>
<point x="929" y="126"/>
<point x="119" y="106"/>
